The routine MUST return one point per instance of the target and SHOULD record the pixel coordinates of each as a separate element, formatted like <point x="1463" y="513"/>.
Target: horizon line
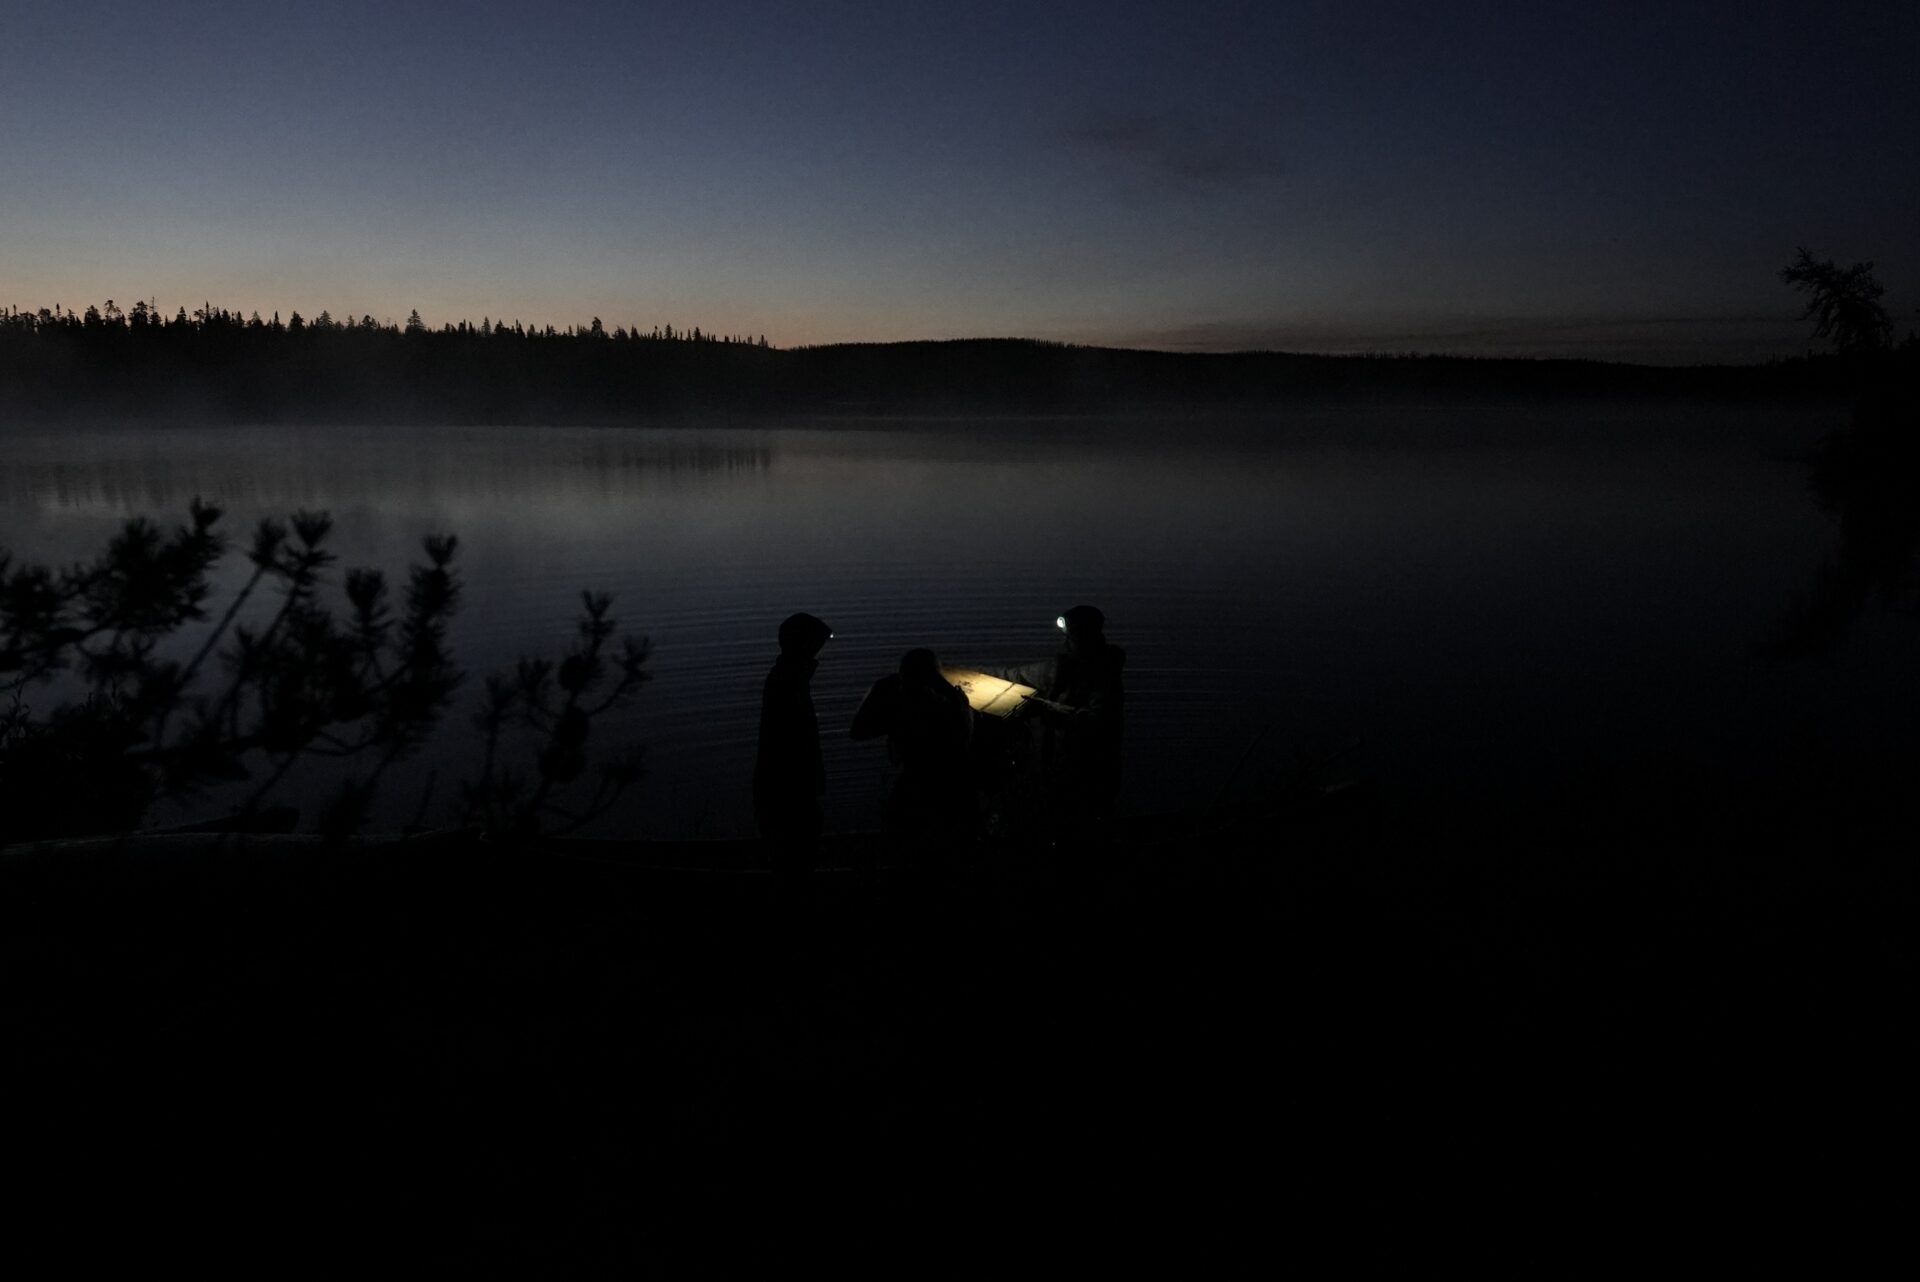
<point x="1205" y="339"/>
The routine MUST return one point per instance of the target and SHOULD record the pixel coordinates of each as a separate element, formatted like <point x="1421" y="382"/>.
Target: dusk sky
<point x="1612" y="180"/>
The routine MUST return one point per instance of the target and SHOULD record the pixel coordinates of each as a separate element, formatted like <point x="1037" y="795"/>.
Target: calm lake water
<point x="1492" y="598"/>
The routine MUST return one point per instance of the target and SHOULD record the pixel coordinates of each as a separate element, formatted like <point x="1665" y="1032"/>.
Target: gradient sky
<point x="1615" y="180"/>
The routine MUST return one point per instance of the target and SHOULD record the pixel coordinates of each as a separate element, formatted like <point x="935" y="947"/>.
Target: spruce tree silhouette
<point x="1868" y="474"/>
<point x="1843" y="303"/>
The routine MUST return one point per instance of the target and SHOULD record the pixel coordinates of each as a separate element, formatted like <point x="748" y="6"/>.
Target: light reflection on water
<point x="1486" y="595"/>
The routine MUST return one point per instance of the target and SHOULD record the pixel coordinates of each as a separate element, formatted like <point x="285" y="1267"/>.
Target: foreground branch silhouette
<point x="556" y="707"/>
<point x="106" y="709"/>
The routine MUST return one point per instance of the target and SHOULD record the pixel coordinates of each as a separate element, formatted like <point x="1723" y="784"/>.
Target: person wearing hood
<point x="789" y="776"/>
<point x="1080" y="707"/>
<point x="928" y="726"/>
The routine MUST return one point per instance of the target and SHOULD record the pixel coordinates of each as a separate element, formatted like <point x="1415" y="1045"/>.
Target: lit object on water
<point x="990" y="695"/>
<point x="1061" y="623"/>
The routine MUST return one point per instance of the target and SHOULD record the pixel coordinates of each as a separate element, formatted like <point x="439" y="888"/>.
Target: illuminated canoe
<point x="990" y="695"/>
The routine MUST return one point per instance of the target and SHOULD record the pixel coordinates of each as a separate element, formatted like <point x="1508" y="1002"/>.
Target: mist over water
<point x="1492" y="597"/>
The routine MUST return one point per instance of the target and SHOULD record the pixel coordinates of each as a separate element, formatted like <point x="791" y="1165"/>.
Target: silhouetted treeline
<point x="213" y="365"/>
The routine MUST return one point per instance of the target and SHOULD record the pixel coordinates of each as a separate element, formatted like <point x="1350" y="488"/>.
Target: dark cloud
<point x="1177" y="152"/>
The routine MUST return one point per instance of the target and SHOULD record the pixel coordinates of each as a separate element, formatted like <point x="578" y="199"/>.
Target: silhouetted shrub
<point x="112" y="645"/>
<point x="554" y="707"/>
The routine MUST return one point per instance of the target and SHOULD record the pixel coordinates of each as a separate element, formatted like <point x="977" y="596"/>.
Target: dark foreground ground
<point x="1202" y="1057"/>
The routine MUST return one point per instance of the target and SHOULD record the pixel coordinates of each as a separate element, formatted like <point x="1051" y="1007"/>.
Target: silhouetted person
<point x="788" y="775"/>
<point x="928" y="726"/>
<point x="1080" y="707"/>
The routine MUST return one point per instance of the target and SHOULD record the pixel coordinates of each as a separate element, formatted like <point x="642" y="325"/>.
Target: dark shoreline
<point x="1226" y="1056"/>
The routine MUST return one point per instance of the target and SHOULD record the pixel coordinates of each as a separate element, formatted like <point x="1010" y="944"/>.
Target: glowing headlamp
<point x="1061" y="623"/>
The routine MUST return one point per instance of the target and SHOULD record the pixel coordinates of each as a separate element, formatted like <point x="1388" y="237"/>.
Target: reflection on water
<point x="1488" y="596"/>
<point x="144" y="469"/>
<point x="1868" y="477"/>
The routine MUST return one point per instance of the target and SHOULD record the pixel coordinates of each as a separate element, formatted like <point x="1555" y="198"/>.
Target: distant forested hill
<point x="215" y="366"/>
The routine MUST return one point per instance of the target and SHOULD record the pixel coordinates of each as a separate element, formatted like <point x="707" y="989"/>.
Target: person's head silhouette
<point x="802" y="635"/>
<point x="920" y="667"/>
<point x="1085" y="628"/>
